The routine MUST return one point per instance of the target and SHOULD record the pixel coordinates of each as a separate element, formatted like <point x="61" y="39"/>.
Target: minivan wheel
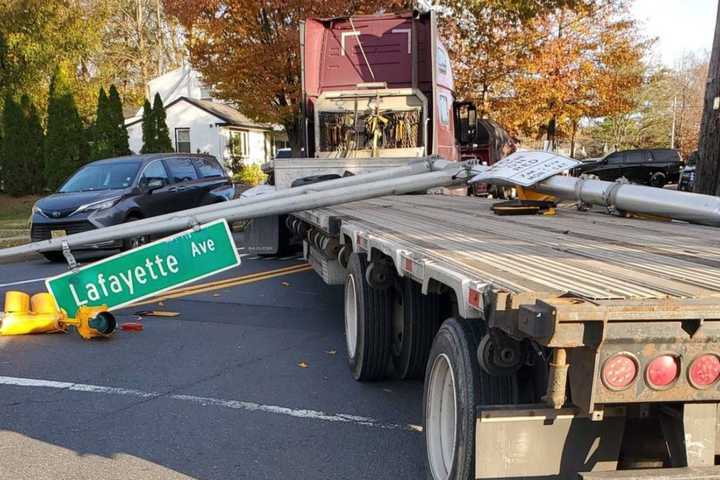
<point x="54" y="257"/>
<point x="134" y="242"/>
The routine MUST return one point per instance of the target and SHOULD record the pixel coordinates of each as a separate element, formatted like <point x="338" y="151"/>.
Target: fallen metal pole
<point x="332" y="192"/>
<point x="690" y="207"/>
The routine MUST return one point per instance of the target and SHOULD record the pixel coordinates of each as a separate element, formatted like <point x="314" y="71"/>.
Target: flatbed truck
<point x="551" y="346"/>
<point x="579" y="344"/>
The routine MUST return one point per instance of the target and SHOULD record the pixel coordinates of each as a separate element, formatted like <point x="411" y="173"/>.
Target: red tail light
<point x="619" y="371"/>
<point x="662" y="371"/>
<point x="704" y="370"/>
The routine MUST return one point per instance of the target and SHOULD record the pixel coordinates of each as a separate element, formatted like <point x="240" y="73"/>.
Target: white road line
<point x="22" y="282"/>
<point x="205" y="401"/>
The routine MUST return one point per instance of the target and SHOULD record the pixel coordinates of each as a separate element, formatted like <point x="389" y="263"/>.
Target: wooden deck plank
<point x="591" y="255"/>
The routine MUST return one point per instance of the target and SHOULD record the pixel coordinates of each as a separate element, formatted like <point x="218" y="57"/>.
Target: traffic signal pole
<point x="707" y="177"/>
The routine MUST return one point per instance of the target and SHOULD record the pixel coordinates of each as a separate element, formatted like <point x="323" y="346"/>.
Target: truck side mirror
<point x="472" y="121"/>
<point x="466" y="121"/>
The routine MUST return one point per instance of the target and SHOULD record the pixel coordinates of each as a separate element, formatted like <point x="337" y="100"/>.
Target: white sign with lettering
<point x="524" y="168"/>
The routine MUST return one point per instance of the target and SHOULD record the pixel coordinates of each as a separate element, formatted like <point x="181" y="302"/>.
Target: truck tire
<point x="454" y="386"/>
<point x="658" y="179"/>
<point x="368" y="323"/>
<point x="415" y="321"/>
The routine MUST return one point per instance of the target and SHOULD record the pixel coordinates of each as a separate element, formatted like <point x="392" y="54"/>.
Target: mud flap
<point x="329" y="269"/>
<point x="261" y="235"/>
<point x="691" y="434"/>
<point x="689" y="473"/>
<point x="544" y="443"/>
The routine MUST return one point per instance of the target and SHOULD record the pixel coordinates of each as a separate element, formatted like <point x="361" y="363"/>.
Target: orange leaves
<point x="249" y="50"/>
<point x="565" y="61"/>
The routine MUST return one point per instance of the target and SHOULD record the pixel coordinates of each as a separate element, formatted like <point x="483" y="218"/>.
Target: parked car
<point x="655" y="167"/>
<point x="123" y="189"/>
<point x="687" y="176"/>
<point x="283" y="153"/>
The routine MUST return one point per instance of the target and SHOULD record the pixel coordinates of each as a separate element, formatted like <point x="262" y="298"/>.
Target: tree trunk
<point x="159" y="36"/>
<point x="139" y="25"/>
<point x="708" y="165"/>
<point x="295" y="133"/>
<point x="572" y="139"/>
<point x="551" y="133"/>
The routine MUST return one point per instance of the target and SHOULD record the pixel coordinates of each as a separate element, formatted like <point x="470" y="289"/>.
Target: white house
<point x="198" y="123"/>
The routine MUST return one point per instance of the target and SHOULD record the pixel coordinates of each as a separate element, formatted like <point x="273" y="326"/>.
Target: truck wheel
<point x="54" y="257"/>
<point x="658" y="180"/>
<point x="368" y="323"/>
<point x="454" y="386"/>
<point x="415" y="321"/>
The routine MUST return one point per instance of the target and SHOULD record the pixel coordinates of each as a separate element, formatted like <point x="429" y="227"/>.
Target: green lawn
<point x="14" y="209"/>
<point x="14" y="215"/>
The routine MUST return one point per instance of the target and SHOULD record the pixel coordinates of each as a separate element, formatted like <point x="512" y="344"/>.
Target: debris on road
<point x="157" y="313"/>
<point x="302" y="364"/>
<point x="132" y="327"/>
<point x="23" y="314"/>
<point x="19" y="318"/>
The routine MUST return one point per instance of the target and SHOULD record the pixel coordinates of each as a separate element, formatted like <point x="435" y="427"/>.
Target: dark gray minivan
<point x="117" y="190"/>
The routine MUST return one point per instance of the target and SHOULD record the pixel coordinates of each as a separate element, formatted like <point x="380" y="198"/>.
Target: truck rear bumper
<point x="533" y="441"/>
<point x="686" y="473"/>
<point x="539" y="442"/>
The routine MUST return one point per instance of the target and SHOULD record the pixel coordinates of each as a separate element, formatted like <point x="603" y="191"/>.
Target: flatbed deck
<point x="592" y="256"/>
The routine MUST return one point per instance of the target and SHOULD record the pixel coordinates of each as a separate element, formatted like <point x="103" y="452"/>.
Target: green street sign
<point x="146" y="271"/>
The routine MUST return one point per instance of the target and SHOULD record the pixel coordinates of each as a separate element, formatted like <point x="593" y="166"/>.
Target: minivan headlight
<point x="36" y="209"/>
<point x="101" y="205"/>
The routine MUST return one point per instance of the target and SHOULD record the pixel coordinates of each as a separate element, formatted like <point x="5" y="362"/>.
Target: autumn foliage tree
<point x="250" y="51"/>
<point x="540" y="70"/>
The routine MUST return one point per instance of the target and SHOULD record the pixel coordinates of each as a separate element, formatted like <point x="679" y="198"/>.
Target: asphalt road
<point x="248" y="381"/>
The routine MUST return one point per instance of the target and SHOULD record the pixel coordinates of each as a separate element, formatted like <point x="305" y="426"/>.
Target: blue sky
<point x="679" y="25"/>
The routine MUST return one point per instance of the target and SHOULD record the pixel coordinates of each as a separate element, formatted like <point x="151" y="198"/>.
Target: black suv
<point x="123" y="189"/>
<point x="655" y="167"/>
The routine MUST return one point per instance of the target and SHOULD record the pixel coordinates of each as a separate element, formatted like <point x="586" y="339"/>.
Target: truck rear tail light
<point x="704" y="370"/>
<point x="619" y="371"/>
<point x="662" y="371"/>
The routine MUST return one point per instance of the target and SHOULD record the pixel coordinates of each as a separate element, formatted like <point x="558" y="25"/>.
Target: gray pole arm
<point x="690" y="207"/>
<point x="394" y="181"/>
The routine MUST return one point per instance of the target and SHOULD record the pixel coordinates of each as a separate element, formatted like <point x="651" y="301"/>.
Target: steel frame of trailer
<point x="665" y="310"/>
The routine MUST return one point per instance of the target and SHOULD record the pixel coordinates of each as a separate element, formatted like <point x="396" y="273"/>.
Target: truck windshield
<point x="102" y="176"/>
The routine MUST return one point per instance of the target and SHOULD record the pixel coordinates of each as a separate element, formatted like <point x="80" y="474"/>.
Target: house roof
<point x="228" y="115"/>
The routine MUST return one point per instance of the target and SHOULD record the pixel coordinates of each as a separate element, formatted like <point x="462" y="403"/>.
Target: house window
<point x="240" y="143"/>
<point x="182" y="140"/>
<point x="442" y="61"/>
<point x="443" y="110"/>
<point x="205" y="92"/>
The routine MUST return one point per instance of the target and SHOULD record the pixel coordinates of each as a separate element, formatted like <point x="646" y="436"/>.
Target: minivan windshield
<point x="102" y="176"/>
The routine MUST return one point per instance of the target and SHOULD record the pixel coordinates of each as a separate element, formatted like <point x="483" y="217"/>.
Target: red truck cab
<point x="377" y="86"/>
